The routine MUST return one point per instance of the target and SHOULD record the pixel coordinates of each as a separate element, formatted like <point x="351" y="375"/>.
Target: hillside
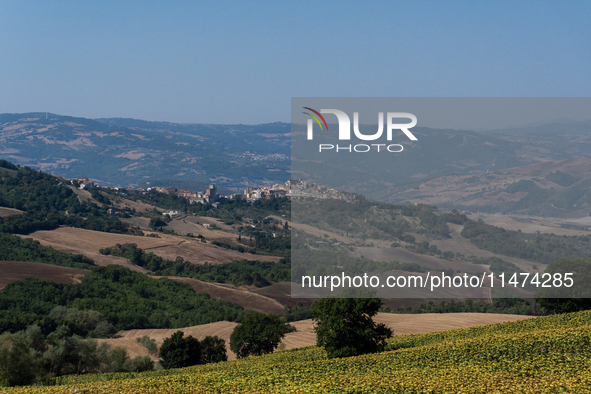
<point x="88" y="243"/>
<point x="437" y="153"/>
<point x="305" y="336"/>
<point x="548" y="354"/>
<point x="12" y="271"/>
<point x="551" y="189"/>
<point x="130" y="152"/>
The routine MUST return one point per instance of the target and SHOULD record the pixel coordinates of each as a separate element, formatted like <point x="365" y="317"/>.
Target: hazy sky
<point x="242" y="61"/>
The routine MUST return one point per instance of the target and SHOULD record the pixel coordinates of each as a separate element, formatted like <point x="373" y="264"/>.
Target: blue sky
<point x="241" y="62"/>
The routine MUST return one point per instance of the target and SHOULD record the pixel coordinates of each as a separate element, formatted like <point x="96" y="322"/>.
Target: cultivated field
<point x="84" y="195"/>
<point x="281" y="292"/>
<point x="11" y="271"/>
<point x="194" y="225"/>
<point x="456" y="243"/>
<point x="199" y="253"/>
<point x="121" y="203"/>
<point x="220" y="291"/>
<point x="9" y="211"/>
<point x="534" y="224"/>
<point x="316" y="231"/>
<point x="88" y="243"/>
<point x="127" y="339"/>
<point x="305" y="336"/>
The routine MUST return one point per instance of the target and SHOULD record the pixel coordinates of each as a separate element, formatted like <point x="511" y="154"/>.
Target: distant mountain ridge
<point x="130" y="152"/>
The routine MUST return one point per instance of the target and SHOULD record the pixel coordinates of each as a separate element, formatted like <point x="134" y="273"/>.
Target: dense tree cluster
<point x="179" y="352"/>
<point x="126" y="299"/>
<point x="48" y="204"/>
<point x="30" y="356"/>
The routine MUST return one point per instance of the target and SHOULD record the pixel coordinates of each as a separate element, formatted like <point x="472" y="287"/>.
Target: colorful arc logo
<point x="315" y="118"/>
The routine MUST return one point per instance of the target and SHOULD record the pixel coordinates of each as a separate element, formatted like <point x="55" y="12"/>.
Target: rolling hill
<point x="554" y="189"/>
<point x="129" y="152"/>
<point x="548" y="354"/>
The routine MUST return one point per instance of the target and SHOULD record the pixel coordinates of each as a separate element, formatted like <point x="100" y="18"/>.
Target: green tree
<point x="562" y="299"/>
<point x="149" y="344"/>
<point x="17" y="363"/>
<point x="213" y="350"/>
<point x="258" y="334"/>
<point x="345" y="328"/>
<point x="156" y="223"/>
<point x="179" y="352"/>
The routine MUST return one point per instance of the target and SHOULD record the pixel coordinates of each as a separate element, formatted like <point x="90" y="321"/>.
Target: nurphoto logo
<point x="345" y="130"/>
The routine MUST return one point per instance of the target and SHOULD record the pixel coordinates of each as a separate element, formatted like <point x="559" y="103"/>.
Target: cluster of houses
<point x="291" y="188"/>
<point x="210" y="195"/>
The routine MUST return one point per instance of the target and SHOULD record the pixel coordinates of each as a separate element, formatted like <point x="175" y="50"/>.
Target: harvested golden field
<point x="194" y="224"/>
<point x="403" y="324"/>
<point x="305" y="336"/>
<point x="199" y="253"/>
<point x="88" y="243"/>
<point x="220" y="291"/>
<point x="11" y="271"/>
<point x="127" y="339"/>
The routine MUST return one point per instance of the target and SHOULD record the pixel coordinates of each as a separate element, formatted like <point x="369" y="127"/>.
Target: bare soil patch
<point x="457" y="243"/>
<point x="4" y="212"/>
<point x="11" y="271"/>
<point x="141" y="222"/>
<point x="281" y="292"/>
<point x="406" y="256"/>
<point x="84" y="195"/>
<point x="225" y="292"/>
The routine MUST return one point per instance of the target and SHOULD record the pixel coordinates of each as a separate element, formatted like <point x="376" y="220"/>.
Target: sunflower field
<point x="542" y="355"/>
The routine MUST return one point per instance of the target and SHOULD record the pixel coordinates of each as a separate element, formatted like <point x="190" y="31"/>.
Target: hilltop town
<point x="293" y="188"/>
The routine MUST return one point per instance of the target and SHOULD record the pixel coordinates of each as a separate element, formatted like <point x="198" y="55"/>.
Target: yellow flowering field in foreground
<point x="542" y="355"/>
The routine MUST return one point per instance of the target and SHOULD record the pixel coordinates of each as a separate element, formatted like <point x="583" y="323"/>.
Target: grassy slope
<point x="543" y="355"/>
